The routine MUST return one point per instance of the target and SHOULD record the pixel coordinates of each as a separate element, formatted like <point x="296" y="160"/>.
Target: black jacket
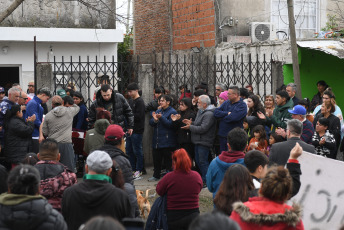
<point x="17" y="139"/>
<point x="280" y="151"/>
<point x="28" y="212"/>
<point x="334" y="127"/>
<point x="121" y="115"/>
<point x="93" y="198"/>
<point x="121" y="159"/>
<point x="183" y="135"/>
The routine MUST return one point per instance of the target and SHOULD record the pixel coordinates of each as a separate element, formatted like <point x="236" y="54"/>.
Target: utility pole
<point x="128" y="15"/>
<point x="295" y="58"/>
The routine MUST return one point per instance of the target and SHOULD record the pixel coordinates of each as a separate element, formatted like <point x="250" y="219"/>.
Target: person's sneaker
<point x="204" y="185"/>
<point x="137" y="174"/>
<point x="153" y="179"/>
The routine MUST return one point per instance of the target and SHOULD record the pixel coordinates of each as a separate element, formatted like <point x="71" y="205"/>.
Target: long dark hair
<point x="235" y="186"/>
<point x="79" y="95"/>
<point x="188" y="103"/>
<point x="10" y="113"/>
<point x="258" y="106"/>
<point x="261" y="130"/>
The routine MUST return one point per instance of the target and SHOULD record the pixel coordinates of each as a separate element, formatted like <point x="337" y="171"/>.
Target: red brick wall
<point x="193" y="23"/>
<point x="151" y="22"/>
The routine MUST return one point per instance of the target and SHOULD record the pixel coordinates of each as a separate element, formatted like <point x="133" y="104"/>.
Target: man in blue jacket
<point x="237" y="141"/>
<point x="34" y="106"/>
<point x="231" y="114"/>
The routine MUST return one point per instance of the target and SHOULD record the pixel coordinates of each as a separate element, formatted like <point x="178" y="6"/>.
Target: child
<point x="246" y="127"/>
<point x="274" y="138"/>
<point x="258" y="141"/>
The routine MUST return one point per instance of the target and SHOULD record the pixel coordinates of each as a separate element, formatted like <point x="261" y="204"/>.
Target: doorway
<point x="8" y="76"/>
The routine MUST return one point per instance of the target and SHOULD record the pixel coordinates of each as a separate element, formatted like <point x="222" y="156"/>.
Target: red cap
<point x="114" y="132"/>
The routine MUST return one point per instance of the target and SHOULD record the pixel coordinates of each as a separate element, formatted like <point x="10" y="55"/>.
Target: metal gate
<point x="85" y="75"/>
<point x="229" y="70"/>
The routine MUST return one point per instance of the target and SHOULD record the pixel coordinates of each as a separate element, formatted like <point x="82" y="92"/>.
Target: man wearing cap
<point x="61" y="92"/>
<point x="115" y="146"/>
<point x="95" y="195"/>
<point x="35" y="107"/>
<point x="58" y="125"/>
<point x="134" y="142"/>
<point x="116" y="104"/>
<point x="2" y="94"/>
<point x="299" y="113"/>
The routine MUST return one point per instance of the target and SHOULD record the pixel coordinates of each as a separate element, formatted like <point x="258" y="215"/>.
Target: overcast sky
<point x="121" y="9"/>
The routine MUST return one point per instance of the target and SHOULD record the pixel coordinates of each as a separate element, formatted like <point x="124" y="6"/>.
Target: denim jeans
<point x="201" y="158"/>
<point x="133" y="148"/>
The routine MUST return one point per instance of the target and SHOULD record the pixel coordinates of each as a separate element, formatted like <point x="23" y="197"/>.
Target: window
<point x="306" y="15"/>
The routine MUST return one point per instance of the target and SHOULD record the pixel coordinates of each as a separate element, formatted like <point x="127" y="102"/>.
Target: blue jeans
<point x="133" y="148"/>
<point x="201" y="159"/>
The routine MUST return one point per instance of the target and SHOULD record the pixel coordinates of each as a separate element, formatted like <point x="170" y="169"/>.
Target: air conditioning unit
<point x="262" y="31"/>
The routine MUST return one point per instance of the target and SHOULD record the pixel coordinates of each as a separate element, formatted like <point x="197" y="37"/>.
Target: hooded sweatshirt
<point x="92" y="198"/>
<point x="95" y="137"/>
<point x="28" y="212"/>
<point x="219" y="166"/>
<point x="58" y="123"/>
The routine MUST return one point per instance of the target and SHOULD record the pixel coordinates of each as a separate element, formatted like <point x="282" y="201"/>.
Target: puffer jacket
<point x="79" y="120"/>
<point x="260" y="213"/>
<point x="55" y="179"/>
<point x="121" y="115"/>
<point x="28" y="212"/>
<point x="164" y="135"/>
<point x="204" y="127"/>
<point x="17" y="139"/>
<point x="95" y="137"/>
<point x="280" y="116"/>
<point x="58" y="123"/>
<point x="122" y="160"/>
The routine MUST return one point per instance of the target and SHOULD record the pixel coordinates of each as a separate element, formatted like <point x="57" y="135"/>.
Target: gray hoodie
<point x="203" y="128"/>
<point x="58" y="123"/>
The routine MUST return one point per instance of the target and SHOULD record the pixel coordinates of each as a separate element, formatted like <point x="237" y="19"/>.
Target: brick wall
<point x="151" y="26"/>
<point x="193" y="23"/>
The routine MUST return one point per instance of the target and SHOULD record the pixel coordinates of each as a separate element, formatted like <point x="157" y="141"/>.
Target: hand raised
<point x="296" y="151"/>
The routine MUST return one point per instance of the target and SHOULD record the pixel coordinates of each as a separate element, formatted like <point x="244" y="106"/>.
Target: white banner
<point x="322" y="192"/>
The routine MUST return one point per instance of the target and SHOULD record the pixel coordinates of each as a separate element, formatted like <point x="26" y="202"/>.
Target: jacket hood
<point x="49" y="169"/>
<point x="289" y="104"/>
<point x="113" y="151"/>
<point x="59" y="111"/>
<point x="231" y="156"/>
<point x="262" y="211"/>
<point x="223" y="165"/>
<point x="93" y="192"/>
<point x="101" y="125"/>
<point x="23" y="211"/>
<point x="15" y="199"/>
<point x="210" y="108"/>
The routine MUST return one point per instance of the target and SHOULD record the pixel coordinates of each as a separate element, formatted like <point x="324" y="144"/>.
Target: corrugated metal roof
<point x="333" y="47"/>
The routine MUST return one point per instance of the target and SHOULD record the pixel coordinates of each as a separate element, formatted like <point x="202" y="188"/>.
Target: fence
<point x="192" y="70"/>
<point x="85" y="75"/>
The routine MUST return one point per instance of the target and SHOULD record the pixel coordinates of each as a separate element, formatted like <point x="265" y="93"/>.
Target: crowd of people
<point x="230" y="143"/>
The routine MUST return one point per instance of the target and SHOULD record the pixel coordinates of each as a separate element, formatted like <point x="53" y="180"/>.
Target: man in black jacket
<point x="95" y="195"/>
<point x="116" y="104"/>
<point x="280" y="152"/>
<point x="115" y="146"/>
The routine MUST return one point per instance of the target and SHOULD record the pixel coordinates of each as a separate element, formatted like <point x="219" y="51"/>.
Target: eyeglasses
<point x="25" y="98"/>
<point x="31" y="86"/>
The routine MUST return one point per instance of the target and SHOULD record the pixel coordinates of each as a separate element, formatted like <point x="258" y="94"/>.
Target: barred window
<point x="306" y="14"/>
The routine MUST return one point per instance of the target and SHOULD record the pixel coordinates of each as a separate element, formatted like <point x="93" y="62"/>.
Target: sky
<point x="121" y="9"/>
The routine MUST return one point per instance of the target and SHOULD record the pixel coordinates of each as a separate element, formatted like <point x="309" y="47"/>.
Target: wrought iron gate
<point x="85" y="75"/>
<point x="228" y="70"/>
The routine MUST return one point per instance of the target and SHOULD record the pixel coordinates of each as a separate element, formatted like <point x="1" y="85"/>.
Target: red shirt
<point x="182" y="189"/>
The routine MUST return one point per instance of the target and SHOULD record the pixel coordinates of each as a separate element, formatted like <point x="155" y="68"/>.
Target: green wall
<point x="316" y="65"/>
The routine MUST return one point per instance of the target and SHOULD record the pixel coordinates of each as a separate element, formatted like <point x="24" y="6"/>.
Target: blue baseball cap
<point x="298" y="110"/>
<point x="2" y="90"/>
